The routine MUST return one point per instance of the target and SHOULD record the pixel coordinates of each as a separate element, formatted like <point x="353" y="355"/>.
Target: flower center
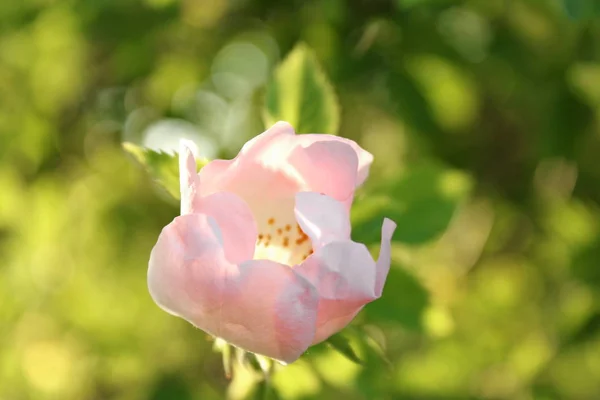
<point x="282" y="241"/>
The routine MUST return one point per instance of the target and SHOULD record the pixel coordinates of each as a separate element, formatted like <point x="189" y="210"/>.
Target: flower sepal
<point x="235" y="357"/>
<point x="250" y="374"/>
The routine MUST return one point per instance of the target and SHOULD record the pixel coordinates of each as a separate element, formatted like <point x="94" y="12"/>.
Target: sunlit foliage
<point x="483" y="118"/>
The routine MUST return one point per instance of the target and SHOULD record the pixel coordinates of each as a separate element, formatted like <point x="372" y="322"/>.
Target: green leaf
<point x="171" y="386"/>
<point x="422" y="203"/>
<point x="163" y="167"/>
<point x="301" y="94"/>
<point x="418" y="222"/>
<point x="340" y="343"/>
<point x="411" y="104"/>
<point x="408" y="4"/>
<point x="367" y="338"/>
<point x="264" y="391"/>
<point x="581" y="9"/>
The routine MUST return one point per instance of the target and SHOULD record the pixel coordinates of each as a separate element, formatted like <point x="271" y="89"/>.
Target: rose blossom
<point x="261" y="255"/>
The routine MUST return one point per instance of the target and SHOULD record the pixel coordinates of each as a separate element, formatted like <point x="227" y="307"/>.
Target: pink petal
<point x="232" y="214"/>
<point x="365" y="159"/>
<point x="259" y="175"/>
<point x="214" y="176"/>
<point x="322" y="218"/>
<point x="315" y="162"/>
<point x="236" y="222"/>
<point x="186" y="268"/>
<point x="188" y="178"/>
<point x="344" y="274"/>
<point x="261" y="145"/>
<point x="270" y="148"/>
<point x="273" y="310"/>
<point x="347" y="278"/>
<point x="269" y="193"/>
<point x="329" y="167"/>
<point x="260" y="306"/>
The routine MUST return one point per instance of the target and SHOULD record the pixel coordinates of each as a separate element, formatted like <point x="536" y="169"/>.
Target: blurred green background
<point x="483" y="117"/>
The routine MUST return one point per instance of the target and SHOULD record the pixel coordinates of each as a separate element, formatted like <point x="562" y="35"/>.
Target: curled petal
<point x="384" y="260"/>
<point x="347" y="278"/>
<point x="344" y="274"/>
<point x="260" y="306"/>
<point x="328" y="167"/>
<point x="322" y="218"/>
<point x="365" y="159"/>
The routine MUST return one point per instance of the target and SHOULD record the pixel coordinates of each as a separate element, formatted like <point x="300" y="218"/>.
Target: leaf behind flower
<point x="163" y="167"/>
<point x="301" y="94"/>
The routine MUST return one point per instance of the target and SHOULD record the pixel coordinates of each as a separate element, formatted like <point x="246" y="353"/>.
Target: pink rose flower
<point x="261" y="255"/>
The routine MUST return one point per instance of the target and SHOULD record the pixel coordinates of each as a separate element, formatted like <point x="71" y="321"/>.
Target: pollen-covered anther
<point x="281" y="242"/>
<point x="307" y="254"/>
<point x="301" y="240"/>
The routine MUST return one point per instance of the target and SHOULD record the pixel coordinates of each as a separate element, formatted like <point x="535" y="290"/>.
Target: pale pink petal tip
<point x="385" y="256"/>
<point x="188" y="176"/>
<point x="187" y="160"/>
<point x="283" y="126"/>
<point x="388" y="228"/>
